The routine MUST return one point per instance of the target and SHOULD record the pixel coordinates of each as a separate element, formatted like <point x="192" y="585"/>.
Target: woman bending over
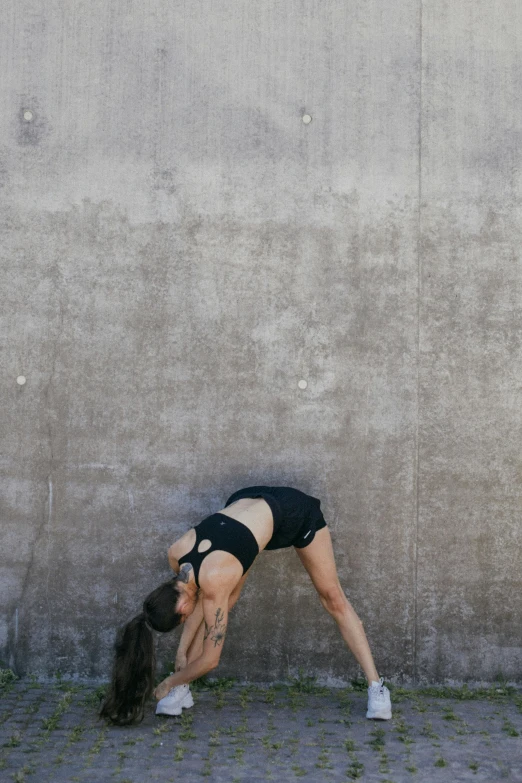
<point x="212" y="562"/>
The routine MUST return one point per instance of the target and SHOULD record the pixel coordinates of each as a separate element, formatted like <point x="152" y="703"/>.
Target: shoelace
<point x="378" y="689"/>
<point x="173" y="690"/>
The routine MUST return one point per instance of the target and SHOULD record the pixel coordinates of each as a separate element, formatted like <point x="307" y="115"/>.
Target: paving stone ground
<point x="253" y="733"/>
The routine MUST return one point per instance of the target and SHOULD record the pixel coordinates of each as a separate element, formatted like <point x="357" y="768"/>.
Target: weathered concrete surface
<point x="258" y="734"/>
<point x="469" y="578"/>
<point x="179" y="249"/>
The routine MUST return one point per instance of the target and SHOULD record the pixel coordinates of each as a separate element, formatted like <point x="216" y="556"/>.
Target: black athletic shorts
<point x="297" y="516"/>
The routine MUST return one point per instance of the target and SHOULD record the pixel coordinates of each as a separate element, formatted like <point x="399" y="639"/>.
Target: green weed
<point x="97" y="746"/>
<point x="51" y="723"/>
<point x="383" y="762"/>
<point x="238" y="755"/>
<point x="33" y="682"/>
<point x="7" y="678"/>
<point x="344" y="699"/>
<point x="323" y="760"/>
<point x="245" y="697"/>
<point x="14" y="740"/>
<point x="270" y="695"/>
<point x="402" y="731"/>
<point x="76" y="734"/>
<point x="214" y="738"/>
<point x="449" y="714"/>
<point x="94" y="697"/>
<point x="161" y="729"/>
<point x="427" y="731"/>
<point x="355" y="770"/>
<point x="217" y="683"/>
<point x="305" y="684"/>
<point x="207" y="768"/>
<point x="378" y="741"/>
<point x="186" y="723"/>
<point x="510" y="729"/>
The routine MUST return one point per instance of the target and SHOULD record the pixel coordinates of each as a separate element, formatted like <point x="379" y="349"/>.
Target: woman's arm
<point x="215" y="615"/>
<point x="192" y="648"/>
<point x="193" y="622"/>
<point x="190" y="629"/>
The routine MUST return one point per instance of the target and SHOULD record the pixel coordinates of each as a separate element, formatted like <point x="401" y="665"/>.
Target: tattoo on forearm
<point x="218" y="630"/>
<point x="184" y="572"/>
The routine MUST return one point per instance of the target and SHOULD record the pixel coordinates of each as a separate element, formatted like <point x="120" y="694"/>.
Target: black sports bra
<point x="225" y="534"/>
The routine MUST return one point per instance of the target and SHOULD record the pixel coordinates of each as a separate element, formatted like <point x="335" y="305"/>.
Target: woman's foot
<point x="175" y="701"/>
<point x="379" y="702"/>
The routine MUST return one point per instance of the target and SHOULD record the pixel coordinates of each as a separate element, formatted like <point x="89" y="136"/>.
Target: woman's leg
<point x="318" y="559"/>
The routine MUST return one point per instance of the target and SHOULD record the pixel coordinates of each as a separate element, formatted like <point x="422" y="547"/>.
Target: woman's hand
<point x="162" y="689"/>
<point x="181" y="662"/>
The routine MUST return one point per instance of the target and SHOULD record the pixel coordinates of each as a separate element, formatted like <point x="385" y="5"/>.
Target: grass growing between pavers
<point x="282" y="731"/>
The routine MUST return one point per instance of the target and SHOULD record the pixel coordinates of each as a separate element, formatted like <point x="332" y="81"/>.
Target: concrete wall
<point x="179" y="250"/>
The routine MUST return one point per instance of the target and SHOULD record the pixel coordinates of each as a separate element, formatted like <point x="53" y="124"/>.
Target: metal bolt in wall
<point x="28" y="115"/>
<point x="307" y="119"/>
<point x="302" y="384"/>
<point x="21" y="380"/>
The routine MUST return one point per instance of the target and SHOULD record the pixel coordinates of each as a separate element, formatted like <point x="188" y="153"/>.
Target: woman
<point x="211" y="562"/>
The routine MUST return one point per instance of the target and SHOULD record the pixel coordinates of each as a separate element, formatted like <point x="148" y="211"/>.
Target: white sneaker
<point x="176" y="699"/>
<point x="379" y="702"/>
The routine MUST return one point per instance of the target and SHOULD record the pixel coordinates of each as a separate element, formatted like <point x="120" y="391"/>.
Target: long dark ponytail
<point x="134" y="667"/>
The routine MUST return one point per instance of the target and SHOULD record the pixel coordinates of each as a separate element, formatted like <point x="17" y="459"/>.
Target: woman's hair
<point x="134" y="666"/>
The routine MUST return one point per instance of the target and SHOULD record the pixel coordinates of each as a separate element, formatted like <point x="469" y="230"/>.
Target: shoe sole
<point x="379" y="716"/>
<point x="175" y="710"/>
